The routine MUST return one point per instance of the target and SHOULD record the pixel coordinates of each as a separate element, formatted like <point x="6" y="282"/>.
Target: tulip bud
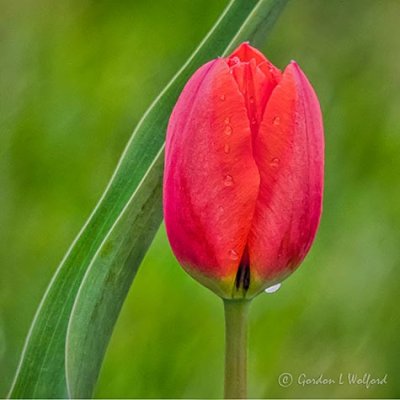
<point x="243" y="175"/>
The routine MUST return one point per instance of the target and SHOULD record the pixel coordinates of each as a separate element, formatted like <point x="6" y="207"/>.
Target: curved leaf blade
<point x="130" y="210"/>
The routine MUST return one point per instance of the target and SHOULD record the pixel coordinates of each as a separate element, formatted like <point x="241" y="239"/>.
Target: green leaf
<point x="86" y="294"/>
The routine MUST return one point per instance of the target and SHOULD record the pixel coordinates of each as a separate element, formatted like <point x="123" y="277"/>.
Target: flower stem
<point x="236" y="312"/>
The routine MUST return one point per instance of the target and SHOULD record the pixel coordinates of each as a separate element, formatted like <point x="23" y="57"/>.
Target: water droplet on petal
<point x="253" y="121"/>
<point x="233" y="255"/>
<point x="274" y="288"/>
<point x="276" y="121"/>
<point x="235" y="60"/>
<point x="228" y="130"/>
<point x="227" y="149"/>
<point x="227" y="120"/>
<point x="274" y="163"/>
<point x="220" y="209"/>
<point x="251" y="99"/>
<point x="228" y="180"/>
<point x="222" y="97"/>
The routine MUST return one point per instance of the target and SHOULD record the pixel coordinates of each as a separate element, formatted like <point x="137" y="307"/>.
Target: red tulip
<point x="243" y="176"/>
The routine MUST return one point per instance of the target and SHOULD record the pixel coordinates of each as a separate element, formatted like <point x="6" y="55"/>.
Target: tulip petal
<point x="211" y="179"/>
<point x="256" y="78"/>
<point x="246" y="53"/>
<point x="288" y="150"/>
<point x="255" y="88"/>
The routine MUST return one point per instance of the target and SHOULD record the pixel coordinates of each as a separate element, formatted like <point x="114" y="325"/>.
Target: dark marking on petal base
<point x="243" y="274"/>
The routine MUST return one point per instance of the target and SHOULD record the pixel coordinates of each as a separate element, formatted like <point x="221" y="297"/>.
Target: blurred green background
<point x="76" y="76"/>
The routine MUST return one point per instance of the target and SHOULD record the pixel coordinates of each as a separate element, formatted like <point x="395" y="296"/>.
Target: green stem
<point x="236" y="312"/>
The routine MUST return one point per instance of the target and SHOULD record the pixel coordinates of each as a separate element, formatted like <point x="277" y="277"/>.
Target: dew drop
<point x="227" y="149"/>
<point x="235" y="60"/>
<point x="233" y="255"/>
<point x="273" y="289"/>
<point x="253" y="121"/>
<point x="251" y="99"/>
<point x="220" y="209"/>
<point x="276" y="121"/>
<point x="228" y="180"/>
<point x="227" y="120"/>
<point x="274" y="162"/>
<point x="228" y="130"/>
<point x="222" y="97"/>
